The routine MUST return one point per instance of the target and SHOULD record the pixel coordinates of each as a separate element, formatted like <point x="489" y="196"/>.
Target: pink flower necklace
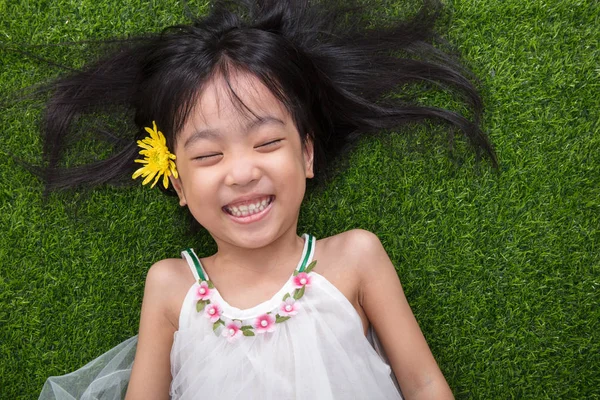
<point x="232" y="329"/>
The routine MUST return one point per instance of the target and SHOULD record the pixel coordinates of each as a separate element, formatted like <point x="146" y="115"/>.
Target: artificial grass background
<point x="502" y="270"/>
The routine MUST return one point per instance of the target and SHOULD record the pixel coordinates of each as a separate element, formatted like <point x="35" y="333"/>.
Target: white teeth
<point x="245" y="210"/>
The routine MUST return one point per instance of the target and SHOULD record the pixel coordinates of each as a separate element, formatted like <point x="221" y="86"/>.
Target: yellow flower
<point x="157" y="157"/>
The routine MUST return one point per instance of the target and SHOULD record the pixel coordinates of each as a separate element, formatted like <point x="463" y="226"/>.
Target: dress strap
<point x="194" y="264"/>
<point x="307" y="253"/>
<point x="198" y="271"/>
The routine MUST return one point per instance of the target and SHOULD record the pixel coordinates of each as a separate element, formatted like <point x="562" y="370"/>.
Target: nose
<point x="242" y="170"/>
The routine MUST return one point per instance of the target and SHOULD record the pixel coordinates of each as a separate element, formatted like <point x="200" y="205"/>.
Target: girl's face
<point x="242" y="174"/>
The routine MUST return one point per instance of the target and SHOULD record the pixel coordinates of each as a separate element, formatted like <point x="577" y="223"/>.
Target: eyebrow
<point x="214" y="133"/>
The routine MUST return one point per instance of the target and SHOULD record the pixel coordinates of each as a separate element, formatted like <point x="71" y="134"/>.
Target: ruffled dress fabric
<point x="104" y="378"/>
<point x="321" y="353"/>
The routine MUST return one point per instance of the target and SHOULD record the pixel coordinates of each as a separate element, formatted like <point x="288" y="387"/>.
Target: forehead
<point x="226" y="101"/>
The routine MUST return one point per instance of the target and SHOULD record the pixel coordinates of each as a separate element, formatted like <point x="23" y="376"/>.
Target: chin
<point x="254" y="240"/>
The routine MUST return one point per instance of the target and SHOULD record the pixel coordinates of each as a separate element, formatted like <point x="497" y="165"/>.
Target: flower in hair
<point x="158" y="160"/>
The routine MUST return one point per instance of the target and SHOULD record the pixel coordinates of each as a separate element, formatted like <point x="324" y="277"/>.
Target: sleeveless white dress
<point x="320" y="352"/>
<point x="306" y="342"/>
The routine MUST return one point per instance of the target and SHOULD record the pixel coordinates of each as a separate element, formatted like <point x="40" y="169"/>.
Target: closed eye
<point x="207" y="157"/>
<point x="269" y="144"/>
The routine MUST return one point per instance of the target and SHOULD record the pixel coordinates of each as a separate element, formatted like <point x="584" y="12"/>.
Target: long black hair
<point x="333" y="70"/>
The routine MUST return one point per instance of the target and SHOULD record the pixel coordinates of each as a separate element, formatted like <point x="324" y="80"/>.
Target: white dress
<point x="319" y="353"/>
<point x="309" y="346"/>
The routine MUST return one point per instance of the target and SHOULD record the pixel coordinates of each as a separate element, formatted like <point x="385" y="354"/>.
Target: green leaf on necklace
<point x="210" y="285"/>
<point x="246" y="327"/>
<point x="298" y="293"/>
<point x="279" y="319"/>
<point x="201" y="304"/>
<point x="311" y="266"/>
<point x="216" y="324"/>
<point x="248" y="333"/>
<point x="286" y="296"/>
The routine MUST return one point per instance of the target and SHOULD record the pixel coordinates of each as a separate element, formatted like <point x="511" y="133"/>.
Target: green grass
<point x="502" y="270"/>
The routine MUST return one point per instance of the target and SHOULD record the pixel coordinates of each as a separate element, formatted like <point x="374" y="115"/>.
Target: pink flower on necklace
<point x="232" y="330"/>
<point x="264" y="323"/>
<point x="212" y="312"/>
<point x="301" y="280"/>
<point x="203" y="292"/>
<point x="288" y="307"/>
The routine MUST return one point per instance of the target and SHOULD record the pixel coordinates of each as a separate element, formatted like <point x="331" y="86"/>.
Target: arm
<point x="151" y="374"/>
<point x="382" y="298"/>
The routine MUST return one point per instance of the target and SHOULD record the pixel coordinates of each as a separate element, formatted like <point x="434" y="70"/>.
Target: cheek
<point x="291" y="162"/>
<point x="292" y="176"/>
<point x="198" y="187"/>
<point x="295" y="167"/>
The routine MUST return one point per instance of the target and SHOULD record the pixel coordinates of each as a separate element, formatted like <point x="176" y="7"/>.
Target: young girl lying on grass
<point x="235" y="112"/>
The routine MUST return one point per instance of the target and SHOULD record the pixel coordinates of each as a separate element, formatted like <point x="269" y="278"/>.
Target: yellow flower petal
<point x="155" y="180"/>
<point x="149" y="177"/>
<point x="173" y="169"/>
<point x="138" y="172"/>
<point x="144" y="146"/>
<point x="151" y="130"/>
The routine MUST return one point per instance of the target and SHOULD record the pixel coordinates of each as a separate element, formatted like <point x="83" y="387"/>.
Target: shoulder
<point x="167" y="273"/>
<point x="167" y="283"/>
<point x="361" y="253"/>
<point x="356" y="252"/>
<point x="356" y="246"/>
<point x="353" y="237"/>
<point x="352" y="261"/>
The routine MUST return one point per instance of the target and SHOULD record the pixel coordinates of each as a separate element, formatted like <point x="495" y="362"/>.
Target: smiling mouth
<point x="249" y="207"/>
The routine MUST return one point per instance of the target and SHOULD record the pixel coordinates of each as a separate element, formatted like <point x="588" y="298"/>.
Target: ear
<point x="309" y="155"/>
<point x="176" y="182"/>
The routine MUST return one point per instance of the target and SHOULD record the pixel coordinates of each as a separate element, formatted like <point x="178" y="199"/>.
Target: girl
<point x="234" y="114"/>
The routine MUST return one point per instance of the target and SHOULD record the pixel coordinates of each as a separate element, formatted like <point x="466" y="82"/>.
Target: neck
<point x="280" y="253"/>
